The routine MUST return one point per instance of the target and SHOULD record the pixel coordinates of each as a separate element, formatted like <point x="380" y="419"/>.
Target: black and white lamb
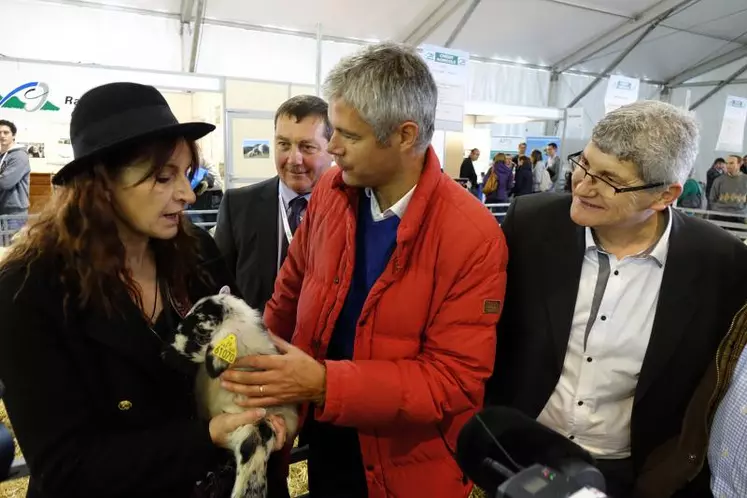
<point x="216" y="331"/>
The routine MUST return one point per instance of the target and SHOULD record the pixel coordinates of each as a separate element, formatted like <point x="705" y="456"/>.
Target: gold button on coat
<point x="125" y="405"/>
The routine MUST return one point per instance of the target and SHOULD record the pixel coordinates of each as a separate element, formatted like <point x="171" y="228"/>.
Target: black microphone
<point x="507" y="437"/>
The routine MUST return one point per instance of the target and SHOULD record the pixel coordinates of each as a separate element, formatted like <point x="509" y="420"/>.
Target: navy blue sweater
<point x="375" y="242"/>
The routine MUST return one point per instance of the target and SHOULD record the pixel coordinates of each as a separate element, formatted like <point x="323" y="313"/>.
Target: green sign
<point x="447" y="58"/>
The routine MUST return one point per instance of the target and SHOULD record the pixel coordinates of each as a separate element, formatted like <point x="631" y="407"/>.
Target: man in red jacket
<point x="390" y="295"/>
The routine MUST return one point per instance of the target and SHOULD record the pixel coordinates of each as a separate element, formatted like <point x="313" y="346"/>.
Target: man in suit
<point x="467" y="170"/>
<point x="553" y="161"/>
<point x="616" y="303"/>
<point x="256" y="223"/>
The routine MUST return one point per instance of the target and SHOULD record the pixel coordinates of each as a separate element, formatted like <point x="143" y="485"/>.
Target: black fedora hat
<point x="116" y="115"/>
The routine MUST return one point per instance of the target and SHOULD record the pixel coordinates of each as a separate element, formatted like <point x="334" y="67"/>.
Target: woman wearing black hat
<point x="89" y="300"/>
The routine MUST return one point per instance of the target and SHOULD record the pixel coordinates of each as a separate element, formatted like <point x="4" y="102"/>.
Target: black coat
<point x="702" y="288"/>
<point x="97" y="411"/>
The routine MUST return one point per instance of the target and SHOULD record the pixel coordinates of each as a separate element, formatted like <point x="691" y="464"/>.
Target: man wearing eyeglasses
<point x="616" y="303"/>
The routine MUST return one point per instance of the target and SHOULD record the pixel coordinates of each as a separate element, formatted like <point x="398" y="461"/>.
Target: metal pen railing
<point x="10" y="224"/>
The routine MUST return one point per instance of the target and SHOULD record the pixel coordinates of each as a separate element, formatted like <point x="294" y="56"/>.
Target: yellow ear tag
<point x="227" y="349"/>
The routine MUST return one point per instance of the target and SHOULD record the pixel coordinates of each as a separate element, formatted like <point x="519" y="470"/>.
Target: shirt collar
<point x="288" y="194"/>
<point x="398" y="209"/>
<point x="658" y="251"/>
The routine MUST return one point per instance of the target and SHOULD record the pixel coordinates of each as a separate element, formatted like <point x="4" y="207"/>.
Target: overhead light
<point x="507" y="119"/>
<point x="490" y="109"/>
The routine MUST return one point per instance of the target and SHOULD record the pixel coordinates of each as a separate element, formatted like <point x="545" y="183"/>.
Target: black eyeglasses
<point x="573" y="159"/>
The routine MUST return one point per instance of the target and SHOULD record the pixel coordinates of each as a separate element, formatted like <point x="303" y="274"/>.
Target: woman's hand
<point x="221" y="426"/>
<point x="278" y="425"/>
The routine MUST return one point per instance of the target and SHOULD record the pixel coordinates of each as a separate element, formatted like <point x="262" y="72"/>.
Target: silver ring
<point x="261" y="389"/>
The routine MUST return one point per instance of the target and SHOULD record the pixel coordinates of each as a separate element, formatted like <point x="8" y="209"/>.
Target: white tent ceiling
<point x="539" y="33"/>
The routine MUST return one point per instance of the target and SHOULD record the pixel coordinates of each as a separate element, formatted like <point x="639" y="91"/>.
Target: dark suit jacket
<point x="97" y="410"/>
<point x="702" y="288"/>
<point x="247" y="235"/>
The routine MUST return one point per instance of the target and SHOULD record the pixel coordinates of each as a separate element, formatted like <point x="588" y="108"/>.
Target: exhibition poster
<point x="731" y="137"/>
<point x="621" y="91"/>
<point x="449" y="69"/>
<point x="255" y="148"/>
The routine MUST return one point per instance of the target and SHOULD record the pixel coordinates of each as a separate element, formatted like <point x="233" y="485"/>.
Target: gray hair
<point x="388" y="84"/>
<point x="660" y="139"/>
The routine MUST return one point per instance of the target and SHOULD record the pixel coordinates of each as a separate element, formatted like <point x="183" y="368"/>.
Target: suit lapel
<point x="561" y="287"/>
<point x="266" y="212"/>
<point x="676" y="307"/>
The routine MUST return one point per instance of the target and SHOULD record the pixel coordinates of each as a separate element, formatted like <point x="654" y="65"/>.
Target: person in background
<point x="15" y="174"/>
<point x="467" y="170"/>
<point x="499" y="190"/>
<point x="392" y="322"/>
<point x="639" y="300"/>
<point x="91" y="296"/>
<point x="692" y="194"/>
<point x="538" y="171"/>
<point x="717" y="169"/>
<point x="729" y="191"/>
<point x="554" y="166"/>
<point x="523" y="178"/>
<point x="743" y="169"/>
<point x="522" y="152"/>
<point x="207" y="185"/>
<point x="257" y="223"/>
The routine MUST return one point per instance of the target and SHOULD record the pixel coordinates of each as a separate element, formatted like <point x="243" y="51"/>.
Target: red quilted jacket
<point x="425" y="341"/>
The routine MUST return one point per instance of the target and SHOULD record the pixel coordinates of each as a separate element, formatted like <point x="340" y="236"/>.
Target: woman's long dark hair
<point x="77" y="230"/>
<point x="536" y="157"/>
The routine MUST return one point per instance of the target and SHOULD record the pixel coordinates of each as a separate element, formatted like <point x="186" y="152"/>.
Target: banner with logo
<point x="449" y="69"/>
<point x="48" y="89"/>
<point x="731" y="137"/>
<point x="621" y="91"/>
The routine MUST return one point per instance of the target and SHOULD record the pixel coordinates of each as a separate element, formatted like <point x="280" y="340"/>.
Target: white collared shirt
<point x="398" y="209"/>
<point x="593" y="400"/>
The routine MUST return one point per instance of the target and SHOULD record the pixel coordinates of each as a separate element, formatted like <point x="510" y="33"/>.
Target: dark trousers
<point x="335" y="463"/>
<point x="277" y="478"/>
<point x="7" y="450"/>
<point x="619" y="476"/>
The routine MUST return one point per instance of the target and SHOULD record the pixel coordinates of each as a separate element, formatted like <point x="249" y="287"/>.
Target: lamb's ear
<point x="225" y="290"/>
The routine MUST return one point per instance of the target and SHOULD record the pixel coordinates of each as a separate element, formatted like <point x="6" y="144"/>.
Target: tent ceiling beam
<point x="655" y="14"/>
<point x="632" y="18"/>
<point x="736" y="74"/>
<point x="187" y="11"/>
<point x="429" y="20"/>
<point x="197" y="34"/>
<point x="312" y="35"/>
<point x="587" y="8"/>
<point x="697" y="84"/>
<point x="707" y="66"/>
<point x="611" y="67"/>
<point x="115" y="8"/>
<point x="462" y="22"/>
